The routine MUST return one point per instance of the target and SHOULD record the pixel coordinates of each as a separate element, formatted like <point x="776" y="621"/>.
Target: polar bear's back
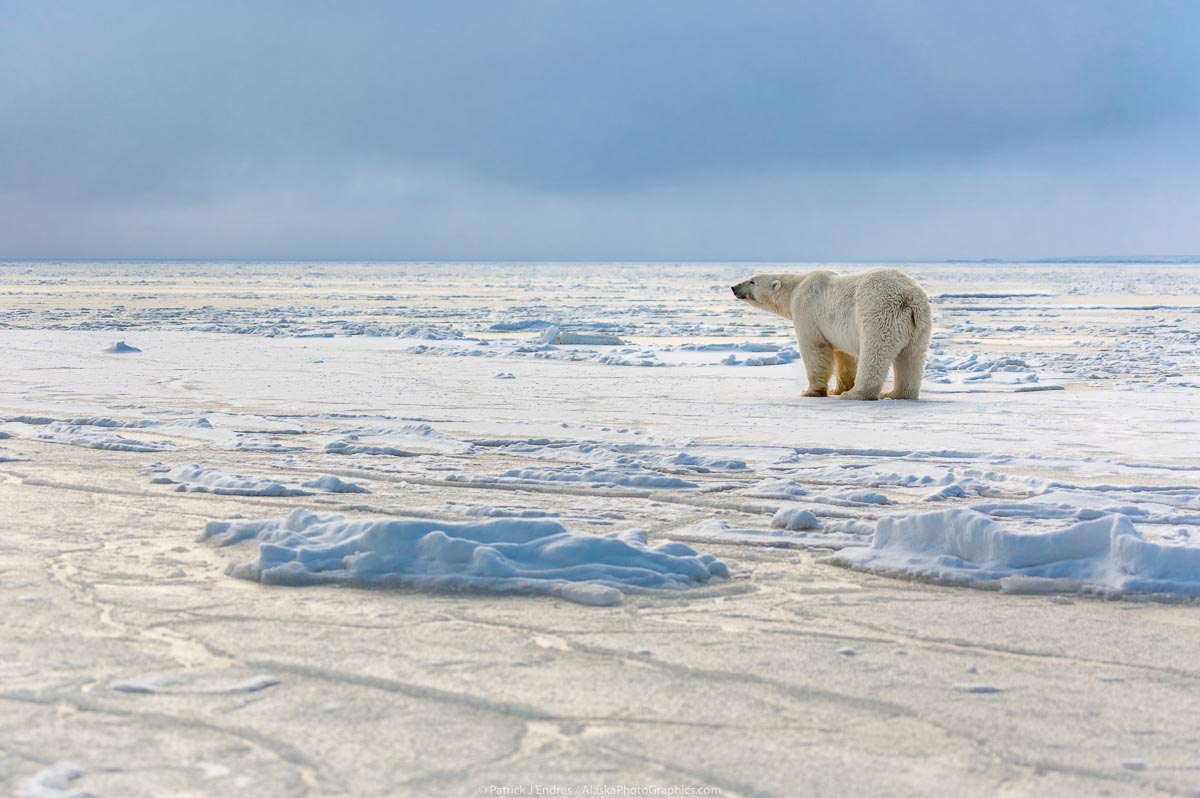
<point x="885" y="285"/>
<point x="843" y="306"/>
<point x="890" y="298"/>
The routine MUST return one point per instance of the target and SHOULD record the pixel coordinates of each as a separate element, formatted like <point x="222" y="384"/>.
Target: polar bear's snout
<point x="742" y="290"/>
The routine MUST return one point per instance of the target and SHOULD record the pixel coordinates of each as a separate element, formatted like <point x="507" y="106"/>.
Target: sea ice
<point x="553" y="335"/>
<point x="776" y="489"/>
<point x="795" y="518"/>
<point x="350" y="447"/>
<point x="628" y="477"/>
<point x="53" y="781"/>
<point x="196" y="682"/>
<point x="834" y="535"/>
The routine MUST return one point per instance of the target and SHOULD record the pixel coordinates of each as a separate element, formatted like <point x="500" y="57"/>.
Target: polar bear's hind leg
<point x="883" y="332"/>
<point x="874" y="357"/>
<point x="908" y="369"/>
<point x="844" y="366"/>
<point x="909" y="365"/>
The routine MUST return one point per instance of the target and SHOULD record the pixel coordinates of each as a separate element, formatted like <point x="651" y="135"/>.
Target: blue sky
<point x="609" y="130"/>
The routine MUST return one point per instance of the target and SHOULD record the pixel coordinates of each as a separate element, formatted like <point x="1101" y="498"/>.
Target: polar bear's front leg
<point x="844" y="366"/>
<point x="818" y="363"/>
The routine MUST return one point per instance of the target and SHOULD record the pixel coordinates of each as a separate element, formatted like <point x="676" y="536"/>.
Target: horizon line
<point x="1061" y="259"/>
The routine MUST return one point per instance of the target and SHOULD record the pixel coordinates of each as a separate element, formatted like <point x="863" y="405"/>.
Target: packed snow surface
<point x="503" y="555"/>
<point x="53" y="781"/>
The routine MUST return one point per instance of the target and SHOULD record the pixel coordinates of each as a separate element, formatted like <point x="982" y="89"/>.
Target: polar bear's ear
<point x="775" y="285"/>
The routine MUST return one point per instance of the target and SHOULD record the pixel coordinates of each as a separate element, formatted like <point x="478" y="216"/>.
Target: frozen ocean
<point x="429" y="528"/>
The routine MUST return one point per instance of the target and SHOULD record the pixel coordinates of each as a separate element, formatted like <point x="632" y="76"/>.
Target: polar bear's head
<point x="764" y="291"/>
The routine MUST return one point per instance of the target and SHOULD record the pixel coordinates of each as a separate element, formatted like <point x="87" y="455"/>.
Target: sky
<point x="642" y="130"/>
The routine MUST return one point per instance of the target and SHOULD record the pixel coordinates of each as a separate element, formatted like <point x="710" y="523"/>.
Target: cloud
<point x="762" y="130"/>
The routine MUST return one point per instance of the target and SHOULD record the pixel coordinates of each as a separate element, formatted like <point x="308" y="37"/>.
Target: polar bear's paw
<point x="856" y="394"/>
<point x="898" y="395"/>
<point x="816" y="392"/>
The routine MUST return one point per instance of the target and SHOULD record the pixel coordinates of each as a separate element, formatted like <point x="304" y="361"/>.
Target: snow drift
<point x="196" y="478"/>
<point x="518" y="555"/>
<point x="121" y="348"/>
<point x="1104" y="555"/>
<point x="554" y="335"/>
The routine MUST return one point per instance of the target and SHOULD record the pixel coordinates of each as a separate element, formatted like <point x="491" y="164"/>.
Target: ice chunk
<point x="121" y="348"/>
<point x="795" y="518"/>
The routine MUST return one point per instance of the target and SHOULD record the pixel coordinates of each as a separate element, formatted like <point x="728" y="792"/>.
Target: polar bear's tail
<point x="922" y="319"/>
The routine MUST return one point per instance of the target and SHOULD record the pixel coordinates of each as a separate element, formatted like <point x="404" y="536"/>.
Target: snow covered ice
<point x="503" y="554"/>
<point x="961" y="546"/>
<point x="198" y="479"/>
<point x="357" y="534"/>
<point x="121" y="348"/>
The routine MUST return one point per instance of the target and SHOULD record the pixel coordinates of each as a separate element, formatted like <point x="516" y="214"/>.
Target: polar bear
<point x="853" y="326"/>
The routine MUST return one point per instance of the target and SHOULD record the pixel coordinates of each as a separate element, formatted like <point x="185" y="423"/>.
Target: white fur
<point x="854" y="326"/>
